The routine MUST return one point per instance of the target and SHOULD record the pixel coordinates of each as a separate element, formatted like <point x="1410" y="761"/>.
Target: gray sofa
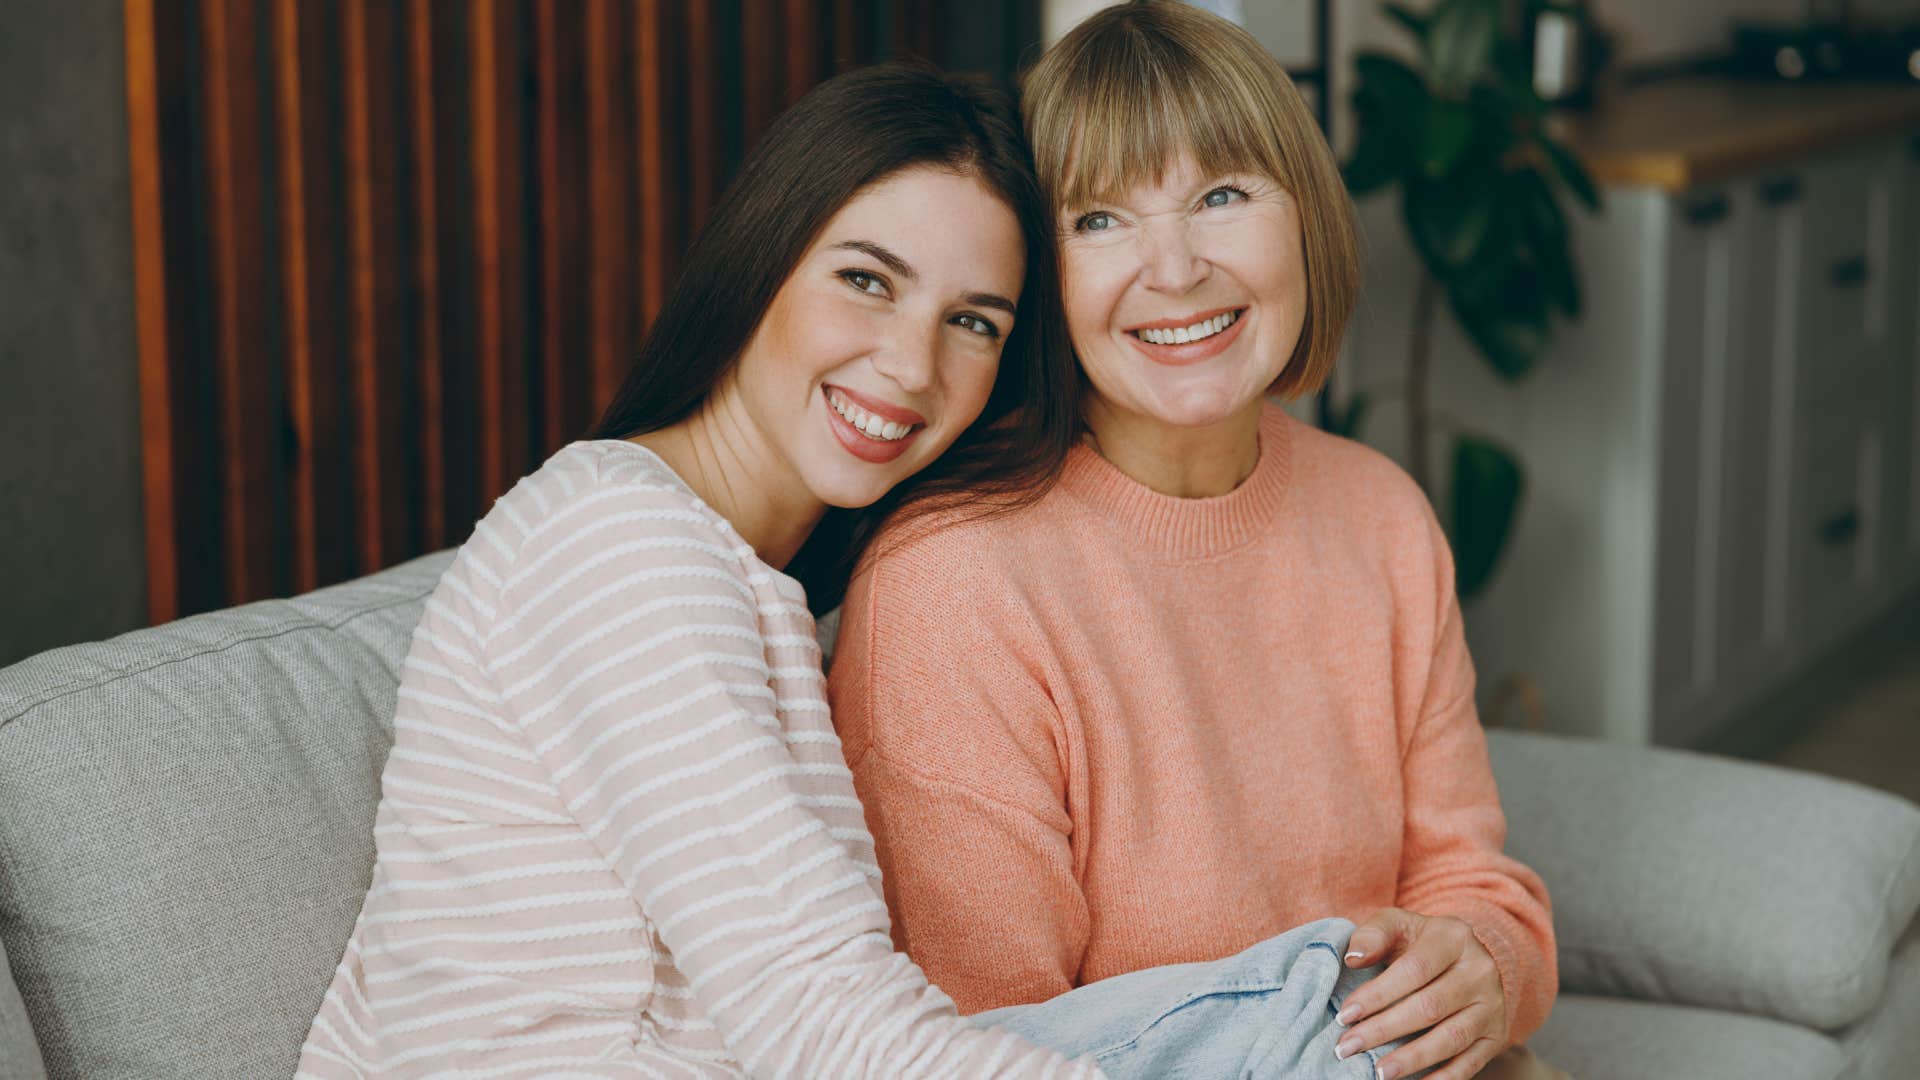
<point x="185" y="835"/>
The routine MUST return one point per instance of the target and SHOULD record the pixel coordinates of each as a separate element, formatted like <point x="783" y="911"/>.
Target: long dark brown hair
<point x="848" y="133"/>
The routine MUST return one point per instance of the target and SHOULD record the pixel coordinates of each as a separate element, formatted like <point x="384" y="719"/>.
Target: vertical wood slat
<point x="430" y="445"/>
<point x="496" y="205"/>
<point x="557" y="56"/>
<point x="375" y="351"/>
<point x="703" y="140"/>
<point x="607" y="200"/>
<point x="654" y="193"/>
<point x="760" y="68"/>
<point x="321" y="539"/>
<point x="159" y="358"/>
<point x="230" y="71"/>
<point x="802" y="26"/>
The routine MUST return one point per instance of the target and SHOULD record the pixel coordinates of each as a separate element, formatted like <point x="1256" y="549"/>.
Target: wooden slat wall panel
<point x="230" y="70"/>
<point x="654" y="192"/>
<point x="607" y="200"/>
<point x="377" y="356"/>
<point x="163" y="357"/>
<point x="428" y="308"/>
<point x="309" y="230"/>
<point x="390" y="254"/>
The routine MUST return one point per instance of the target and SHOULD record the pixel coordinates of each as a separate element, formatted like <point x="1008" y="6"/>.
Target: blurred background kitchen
<point x="290" y="291"/>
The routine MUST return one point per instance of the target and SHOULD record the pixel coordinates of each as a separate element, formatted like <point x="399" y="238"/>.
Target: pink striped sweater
<point x="616" y="836"/>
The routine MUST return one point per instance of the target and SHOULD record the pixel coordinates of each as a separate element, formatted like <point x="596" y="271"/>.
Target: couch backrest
<point x="186" y="827"/>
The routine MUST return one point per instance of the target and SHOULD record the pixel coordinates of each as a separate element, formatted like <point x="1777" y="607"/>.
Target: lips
<point x="1180" y="354"/>
<point x="870" y="413"/>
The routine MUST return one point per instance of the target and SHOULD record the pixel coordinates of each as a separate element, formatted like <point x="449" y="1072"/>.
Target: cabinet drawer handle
<point x="1706" y="211"/>
<point x="1849" y="273"/>
<point x="1840" y="529"/>
<point x="1781" y="190"/>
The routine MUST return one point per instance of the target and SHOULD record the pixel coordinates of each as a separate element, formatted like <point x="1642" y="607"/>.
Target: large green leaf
<point x="1460" y="40"/>
<point x="1511" y="334"/>
<point x="1376" y="162"/>
<point x="1450" y="128"/>
<point x="1571" y="172"/>
<point x="1487" y="486"/>
<point x="1449" y="219"/>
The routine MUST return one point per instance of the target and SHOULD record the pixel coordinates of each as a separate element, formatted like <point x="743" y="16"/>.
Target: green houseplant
<point x="1462" y="137"/>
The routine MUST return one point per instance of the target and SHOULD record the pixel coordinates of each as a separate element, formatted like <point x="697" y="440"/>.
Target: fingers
<point x="1375" y="940"/>
<point x="1438" y="946"/>
<point x="1465" y="1066"/>
<point x="1448" y="1006"/>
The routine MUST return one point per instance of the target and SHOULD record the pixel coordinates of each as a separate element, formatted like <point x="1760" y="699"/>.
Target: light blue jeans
<point x="1266" y="1012"/>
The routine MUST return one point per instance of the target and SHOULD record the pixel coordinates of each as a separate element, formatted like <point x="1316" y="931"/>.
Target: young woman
<point x="1213" y="685"/>
<point x="616" y="835"/>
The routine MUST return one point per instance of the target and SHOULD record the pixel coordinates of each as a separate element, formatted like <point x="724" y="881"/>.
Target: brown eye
<point x="871" y="284"/>
<point x="978" y="325"/>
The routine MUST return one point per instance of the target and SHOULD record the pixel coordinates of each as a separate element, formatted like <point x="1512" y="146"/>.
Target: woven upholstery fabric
<point x="1886" y="1045"/>
<point x="19" y="1053"/>
<point x="1598" y="1038"/>
<point x="186" y="827"/>
<point x="1700" y="880"/>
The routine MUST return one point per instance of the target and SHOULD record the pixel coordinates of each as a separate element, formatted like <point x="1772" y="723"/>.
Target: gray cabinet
<point x="1750" y="494"/>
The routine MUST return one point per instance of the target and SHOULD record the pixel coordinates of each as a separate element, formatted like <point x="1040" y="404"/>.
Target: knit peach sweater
<point x="1118" y="729"/>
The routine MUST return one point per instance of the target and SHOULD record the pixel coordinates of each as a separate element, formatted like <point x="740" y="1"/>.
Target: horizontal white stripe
<point x="503" y="907"/>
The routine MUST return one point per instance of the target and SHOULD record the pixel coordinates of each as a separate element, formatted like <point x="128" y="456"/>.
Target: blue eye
<point x="978" y="325"/>
<point x="871" y="284"/>
<point x="1221" y="196"/>
<point x="1097" y="221"/>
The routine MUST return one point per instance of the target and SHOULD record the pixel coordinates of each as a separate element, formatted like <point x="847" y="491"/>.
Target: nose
<point x="909" y="358"/>
<point x="1169" y="261"/>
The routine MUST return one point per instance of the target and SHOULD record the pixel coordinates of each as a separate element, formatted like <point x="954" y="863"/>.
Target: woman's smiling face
<point x="882" y="345"/>
<point x="1186" y="296"/>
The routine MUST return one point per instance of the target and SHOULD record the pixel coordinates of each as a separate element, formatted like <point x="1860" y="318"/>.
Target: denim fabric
<point x="1266" y="1012"/>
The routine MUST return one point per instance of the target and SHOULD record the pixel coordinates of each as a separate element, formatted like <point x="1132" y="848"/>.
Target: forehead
<point x="943" y="222"/>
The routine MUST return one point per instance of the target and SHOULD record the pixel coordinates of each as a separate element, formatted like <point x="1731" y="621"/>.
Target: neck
<point x="1186" y="463"/>
<point x="734" y="469"/>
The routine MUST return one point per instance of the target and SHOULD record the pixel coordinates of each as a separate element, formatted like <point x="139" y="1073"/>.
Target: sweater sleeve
<point x="629" y="651"/>
<point x="958" y="758"/>
<point x="1453" y="863"/>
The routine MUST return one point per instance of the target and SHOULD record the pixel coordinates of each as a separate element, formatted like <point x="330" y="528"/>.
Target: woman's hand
<point x="1440" y="977"/>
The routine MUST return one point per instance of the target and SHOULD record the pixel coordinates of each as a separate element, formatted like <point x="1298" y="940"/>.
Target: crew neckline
<point x="1182" y="528"/>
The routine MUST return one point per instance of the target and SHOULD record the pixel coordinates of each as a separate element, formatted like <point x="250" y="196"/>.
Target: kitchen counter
<point x="1677" y="134"/>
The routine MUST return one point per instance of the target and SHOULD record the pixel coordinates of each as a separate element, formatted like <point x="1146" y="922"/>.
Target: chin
<point x="848" y="493"/>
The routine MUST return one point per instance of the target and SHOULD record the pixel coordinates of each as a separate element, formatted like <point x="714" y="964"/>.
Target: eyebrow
<point x="905" y="269"/>
<point x="886" y="258"/>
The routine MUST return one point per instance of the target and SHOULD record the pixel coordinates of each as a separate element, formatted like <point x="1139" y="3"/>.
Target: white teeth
<point x="873" y="427"/>
<point x="1199" y="331"/>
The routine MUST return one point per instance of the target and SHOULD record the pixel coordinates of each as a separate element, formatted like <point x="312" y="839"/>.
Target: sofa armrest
<point x="1700" y="880"/>
<point x="19" y="1050"/>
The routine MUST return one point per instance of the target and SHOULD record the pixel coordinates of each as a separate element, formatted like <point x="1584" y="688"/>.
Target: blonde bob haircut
<point x="1116" y="101"/>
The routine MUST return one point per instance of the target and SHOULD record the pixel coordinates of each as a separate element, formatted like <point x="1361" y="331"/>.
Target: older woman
<point x="1213" y="685"/>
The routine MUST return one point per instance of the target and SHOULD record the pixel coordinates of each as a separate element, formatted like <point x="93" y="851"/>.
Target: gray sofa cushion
<point x="19" y="1053"/>
<point x="1597" y="1038"/>
<point x="186" y="827"/>
<point x="1795" y="914"/>
<point x="1886" y="1045"/>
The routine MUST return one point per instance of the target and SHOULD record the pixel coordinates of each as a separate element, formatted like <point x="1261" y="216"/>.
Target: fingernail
<point x="1387" y="1071"/>
<point x="1354" y="954"/>
<point x="1346" y="1049"/>
<point x="1348" y="1015"/>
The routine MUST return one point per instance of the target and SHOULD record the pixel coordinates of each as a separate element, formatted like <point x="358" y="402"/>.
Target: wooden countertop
<point x="1679" y="133"/>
